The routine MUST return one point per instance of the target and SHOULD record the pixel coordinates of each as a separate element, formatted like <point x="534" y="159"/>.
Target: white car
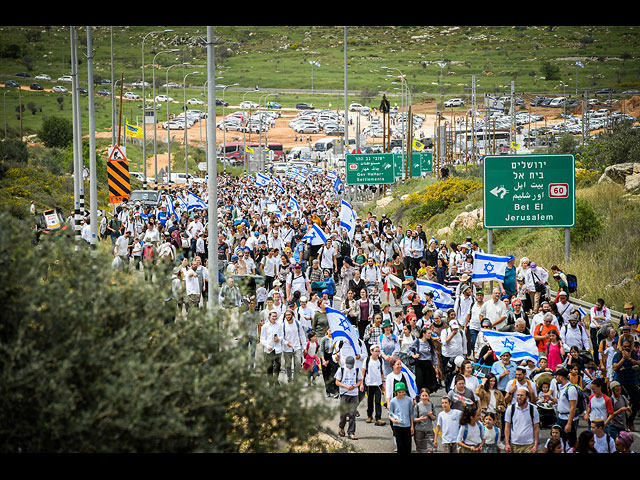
<point x="43" y="76"/>
<point x="59" y="89"/>
<point x="248" y="104"/>
<point x="171" y="85"/>
<point x="163" y="98"/>
<point x="131" y="96"/>
<point x="355" y="107"/>
<point x="65" y="78"/>
<point x="454" y="102"/>
<point x="195" y="101"/>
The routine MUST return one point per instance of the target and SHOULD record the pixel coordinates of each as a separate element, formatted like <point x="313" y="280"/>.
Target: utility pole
<point x="93" y="177"/>
<point x="78" y="189"/>
<point x="212" y="169"/>
<point x="473" y="117"/>
<point x="512" y="111"/>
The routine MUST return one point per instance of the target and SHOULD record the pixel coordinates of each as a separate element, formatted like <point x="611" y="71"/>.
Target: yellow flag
<point x="514" y="145"/>
<point x="417" y="146"/>
<point x="133" y="132"/>
<point x="248" y="149"/>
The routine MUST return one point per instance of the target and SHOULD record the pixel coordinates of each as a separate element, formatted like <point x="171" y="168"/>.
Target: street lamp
<point x="184" y="64"/>
<point x="186" y="125"/>
<point x="224" y="131"/>
<point x="144" y="111"/>
<point x="244" y="133"/>
<point x="155" y="123"/>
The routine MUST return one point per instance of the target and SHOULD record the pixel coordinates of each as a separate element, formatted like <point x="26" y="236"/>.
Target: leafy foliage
<point x="588" y="224"/>
<point x="56" y="132"/>
<point x="87" y="364"/>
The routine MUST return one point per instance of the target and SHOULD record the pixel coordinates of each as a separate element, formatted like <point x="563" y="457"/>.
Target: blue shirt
<point x="498" y="368"/>
<point x="509" y="283"/>
<point x="402" y="408"/>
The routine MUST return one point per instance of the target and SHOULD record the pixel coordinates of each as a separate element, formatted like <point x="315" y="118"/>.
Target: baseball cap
<point x="399" y="386"/>
<point x="350" y="362"/>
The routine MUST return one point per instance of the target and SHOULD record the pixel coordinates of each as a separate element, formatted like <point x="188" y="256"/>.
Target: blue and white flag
<point x="273" y="208"/>
<point x="293" y="203"/>
<point x="341" y="328"/>
<point x="411" y="384"/>
<point x="348" y="219"/>
<point x="442" y="296"/>
<point x="195" y="202"/>
<point x="290" y="174"/>
<point x="580" y="64"/>
<point x="332" y="175"/>
<point x="521" y="346"/>
<point x="182" y="202"/>
<point x="489" y="267"/>
<point x="171" y="208"/>
<point x="316" y="170"/>
<point x="278" y="183"/>
<point x="315" y="235"/>
<point x="262" y="180"/>
<point x="301" y="178"/>
<point x="338" y="186"/>
<point x="582" y="312"/>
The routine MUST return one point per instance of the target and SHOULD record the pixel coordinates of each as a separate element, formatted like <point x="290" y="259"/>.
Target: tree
<point x="550" y="71"/>
<point x="88" y="364"/>
<point x="56" y="132"/>
<point x="14" y="151"/>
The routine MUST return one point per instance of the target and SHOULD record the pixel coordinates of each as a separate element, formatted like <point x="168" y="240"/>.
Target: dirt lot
<point x="282" y="133"/>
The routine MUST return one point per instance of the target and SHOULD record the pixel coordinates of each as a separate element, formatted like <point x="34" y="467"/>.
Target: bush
<point x="13" y="151"/>
<point x="588" y="224"/>
<point x="87" y="364"/>
<point x="56" y="132"/>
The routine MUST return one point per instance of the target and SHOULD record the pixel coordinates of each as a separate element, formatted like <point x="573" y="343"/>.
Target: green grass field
<point x="278" y="57"/>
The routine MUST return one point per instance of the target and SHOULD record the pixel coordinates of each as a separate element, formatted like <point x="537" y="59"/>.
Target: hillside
<point x="607" y="266"/>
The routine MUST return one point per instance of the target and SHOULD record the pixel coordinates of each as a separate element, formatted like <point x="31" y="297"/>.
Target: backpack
<point x="581" y="403"/>
<point x="513" y="409"/>
<point x="148" y="252"/>
<point x="572" y="282"/>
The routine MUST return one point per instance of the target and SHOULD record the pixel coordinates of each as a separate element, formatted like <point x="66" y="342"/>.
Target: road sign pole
<point x="567" y="243"/>
<point x="93" y="177"/>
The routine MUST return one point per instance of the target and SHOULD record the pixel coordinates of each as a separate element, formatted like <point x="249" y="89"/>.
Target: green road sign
<point x="523" y="191"/>
<point x="370" y="168"/>
<point x="422" y="163"/>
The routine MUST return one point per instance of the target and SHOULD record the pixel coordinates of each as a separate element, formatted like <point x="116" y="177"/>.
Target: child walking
<point x="423" y="423"/>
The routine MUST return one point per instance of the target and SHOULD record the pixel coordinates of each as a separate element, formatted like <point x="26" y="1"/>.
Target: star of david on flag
<point x="521" y="346"/>
<point x="348" y="219"/>
<point x="338" y="186"/>
<point x="411" y="384"/>
<point x="195" y="202"/>
<point x="442" y="296"/>
<point x="341" y="328"/>
<point x="489" y="267"/>
<point x="315" y="236"/>
<point x="293" y="203"/>
<point x="262" y="180"/>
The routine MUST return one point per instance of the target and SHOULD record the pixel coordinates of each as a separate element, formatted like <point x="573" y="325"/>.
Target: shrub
<point x="56" y="132"/>
<point x="87" y="364"/>
<point x="13" y="151"/>
<point x="588" y="224"/>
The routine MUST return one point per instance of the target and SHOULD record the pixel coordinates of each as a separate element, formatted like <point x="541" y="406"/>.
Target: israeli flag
<point x="315" y="236"/>
<point x="442" y="296"/>
<point x="304" y="170"/>
<point x="411" y="384"/>
<point x="489" y="267"/>
<point x="195" y="202"/>
<point x="521" y="346"/>
<point x="171" y="208"/>
<point x="293" y="203"/>
<point x="338" y="186"/>
<point x="262" y="180"/>
<point x="301" y="178"/>
<point x="316" y="170"/>
<point x="341" y="328"/>
<point x="580" y="64"/>
<point x="582" y="312"/>
<point x="273" y="208"/>
<point x="290" y="174"/>
<point x="348" y="219"/>
<point x="182" y="202"/>
<point x="332" y="175"/>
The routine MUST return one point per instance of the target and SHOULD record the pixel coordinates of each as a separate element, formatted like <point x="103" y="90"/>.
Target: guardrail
<point x="615" y="316"/>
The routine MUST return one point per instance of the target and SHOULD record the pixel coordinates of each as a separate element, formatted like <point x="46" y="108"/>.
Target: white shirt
<point x="270" y="265"/>
<point x="373" y="374"/>
<point x="574" y="337"/>
<point x="449" y="423"/>
<point x="192" y="283"/>
<point x="293" y="334"/>
<point x="269" y="330"/>
<point x="326" y="257"/>
<point x="522" y="425"/>
<point x="122" y="245"/>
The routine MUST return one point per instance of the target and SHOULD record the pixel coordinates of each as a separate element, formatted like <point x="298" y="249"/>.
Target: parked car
<point x="221" y="103"/>
<point x="22" y="74"/>
<point x="454" y="102"/>
<point x="171" y="85"/>
<point x="82" y="90"/>
<point x="43" y="76"/>
<point x="355" y="107"/>
<point x="249" y="104"/>
<point x="59" y="89"/>
<point x="104" y="93"/>
<point x="131" y="96"/>
<point x="65" y="78"/>
<point x="35" y="86"/>
<point x="11" y="83"/>
<point x="631" y="92"/>
<point x="195" y="101"/>
<point x="605" y="91"/>
<point x="163" y="98"/>
<point x="304" y="106"/>
<point x="273" y="105"/>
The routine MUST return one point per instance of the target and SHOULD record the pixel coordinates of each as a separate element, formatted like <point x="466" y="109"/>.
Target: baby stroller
<point x="547" y="413"/>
